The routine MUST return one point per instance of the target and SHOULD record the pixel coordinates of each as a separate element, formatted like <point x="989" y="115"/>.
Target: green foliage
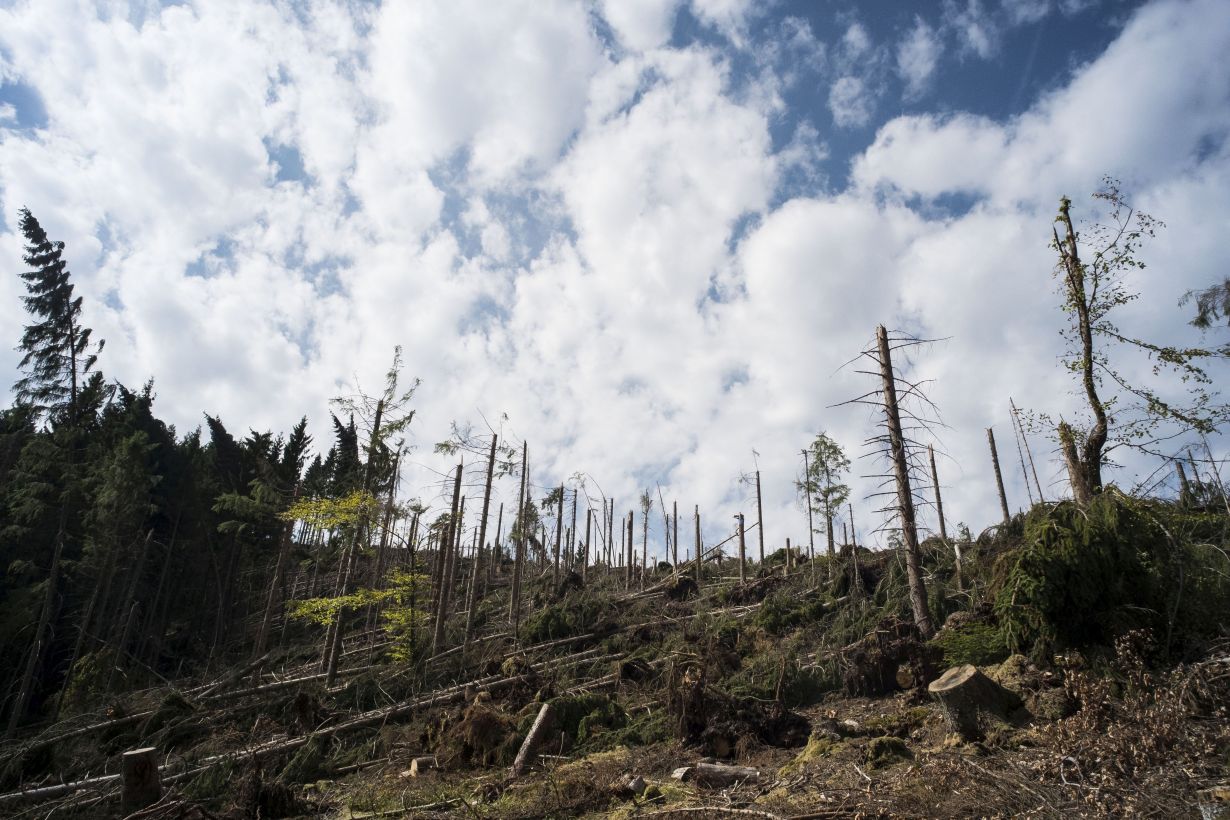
<point x="401" y="620"/>
<point x="822" y="487"/>
<point x="56" y="349"/>
<point x="978" y="643"/>
<point x="587" y="716"/>
<point x="573" y="616"/>
<point x="1085" y="577"/>
<point x="784" y="611"/>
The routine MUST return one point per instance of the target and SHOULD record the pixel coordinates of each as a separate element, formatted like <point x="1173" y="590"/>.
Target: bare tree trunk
<point x="939" y="511"/>
<point x="1082" y="492"/>
<point x="1185" y="489"/>
<point x="559" y="531"/>
<point x="497" y="562"/>
<point x="1029" y="453"/>
<point x="589" y="521"/>
<point x="514" y="605"/>
<point x="742" y="552"/>
<point x="999" y="478"/>
<point x="644" y="547"/>
<point x="482" y="529"/>
<point x="675" y="539"/>
<point x="905" y="499"/>
<point x="628" y="557"/>
<point x="445" y="551"/>
<point x="759" y="518"/>
<point x="572" y="535"/>
<point x="700" y="559"/>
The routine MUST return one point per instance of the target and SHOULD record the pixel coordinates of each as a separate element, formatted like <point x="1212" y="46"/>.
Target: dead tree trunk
<point x="699" y="548"/>
<point x="514" y="603"/>
<point x="1082" y="491"/>
<point x="999" y="478"/>
<point x="589" y="527"/>
<point x="535" y="736"/>
<point x="559" y="531"/>
<point x="742" y="552"/>
<point x="1029" y="453"/>
<point x="759" y="518"/>
<point x="444" y="559"/>
<point x="572" y="534"/>
<point x="628" y="564"/>
<point x="675" y="538"/>
<point x="939" y="512"/>
<point x="905" y="498"/>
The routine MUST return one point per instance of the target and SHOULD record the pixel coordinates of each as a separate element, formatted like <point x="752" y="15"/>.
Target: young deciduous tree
<point x="822" y="486"/>
<point x="1094" y="271"/>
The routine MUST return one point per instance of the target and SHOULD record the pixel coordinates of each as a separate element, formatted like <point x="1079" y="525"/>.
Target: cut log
<point x="969" y="700"/>
<point x="525" y="756"/>
<point x="717" y="775"/>
<point x="1214" y="803"/>
<point x="141" y="784"/>
<point x="421" y="765"/>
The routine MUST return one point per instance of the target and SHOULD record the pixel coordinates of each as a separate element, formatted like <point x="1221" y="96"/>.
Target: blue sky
<point x="649" y="231"/>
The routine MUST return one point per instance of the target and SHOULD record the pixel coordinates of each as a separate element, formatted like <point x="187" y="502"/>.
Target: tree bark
<point x="525" y="755"/>
<point x="742" y="552"/>
<point x="1082" y="492"/>
<point x="999" y="478"/>
<point x="141" y="784"/>
<point x="445" y="552"/>
<point x="905" y="499"/>
<point x="514" y="605"/>
<point x="969" y="700"/>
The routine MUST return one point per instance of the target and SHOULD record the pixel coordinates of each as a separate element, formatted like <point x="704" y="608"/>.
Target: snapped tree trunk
<point x="999" y="478"/>
<point x="514" y="604"/>
<point x="445" y="559"/>
<point x="482" y="539"/>
<point x="905" y="499"/>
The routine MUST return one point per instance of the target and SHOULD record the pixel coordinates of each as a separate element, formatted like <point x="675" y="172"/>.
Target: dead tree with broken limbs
<point x="896" y="399"/>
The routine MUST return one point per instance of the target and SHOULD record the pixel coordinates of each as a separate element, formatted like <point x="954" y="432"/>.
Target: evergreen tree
<point x="57" y="350"/>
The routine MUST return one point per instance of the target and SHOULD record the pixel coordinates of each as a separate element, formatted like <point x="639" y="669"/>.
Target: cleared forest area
<point x="231" y="629"/>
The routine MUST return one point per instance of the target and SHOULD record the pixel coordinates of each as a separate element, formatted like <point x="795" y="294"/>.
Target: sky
<point x="645" y="236"/>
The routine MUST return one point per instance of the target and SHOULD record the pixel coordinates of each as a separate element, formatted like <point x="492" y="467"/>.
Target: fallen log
<point x="969" y="700"/>
<point x="524" y="756"/>
<point x="717" y="775"/>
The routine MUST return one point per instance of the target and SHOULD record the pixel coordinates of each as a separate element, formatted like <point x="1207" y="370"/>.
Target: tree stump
<point x="969" y="699"/>
<point x="142" y="786"/>
<point x="525" y="755"/>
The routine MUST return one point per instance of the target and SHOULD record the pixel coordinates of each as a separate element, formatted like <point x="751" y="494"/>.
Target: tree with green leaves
<point x="1093" y="270"/>
<point x="822" y="486"/>
<point x="56" y="348"/>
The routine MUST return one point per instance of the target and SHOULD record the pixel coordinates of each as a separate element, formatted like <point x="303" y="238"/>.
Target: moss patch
<point x="883" y="752"/>
<point x="818" y="746"/>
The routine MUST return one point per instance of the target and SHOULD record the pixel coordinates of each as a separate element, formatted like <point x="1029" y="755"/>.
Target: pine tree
<point x="57" y="350"/>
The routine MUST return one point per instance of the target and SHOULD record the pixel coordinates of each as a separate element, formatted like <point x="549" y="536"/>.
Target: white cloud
<point x="975" y="28"/>
<point x="641" y="25"/>
<point x="918" y="54"/>
<point x="1021" y="12"/>
<point x="602" y="243"/>
<point x="850" y="102"/>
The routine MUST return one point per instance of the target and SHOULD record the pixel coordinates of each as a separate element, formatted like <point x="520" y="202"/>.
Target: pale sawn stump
<point x="969" y="700"/>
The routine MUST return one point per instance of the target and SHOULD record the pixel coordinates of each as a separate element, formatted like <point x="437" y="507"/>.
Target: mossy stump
<point x="969" y="700"/>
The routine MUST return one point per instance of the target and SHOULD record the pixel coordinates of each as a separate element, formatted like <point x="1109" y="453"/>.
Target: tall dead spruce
<point x="896" y="443"/>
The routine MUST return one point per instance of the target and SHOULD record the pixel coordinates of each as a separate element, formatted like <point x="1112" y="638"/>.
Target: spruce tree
<point x="57" y="349"/>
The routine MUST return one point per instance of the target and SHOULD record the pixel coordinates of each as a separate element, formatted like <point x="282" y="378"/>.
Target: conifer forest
<point x="373" y="613"/>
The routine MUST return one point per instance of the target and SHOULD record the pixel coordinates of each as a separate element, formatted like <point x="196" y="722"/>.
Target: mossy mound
<point x="883" y="752"/>
<point x="818" y="746"/>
